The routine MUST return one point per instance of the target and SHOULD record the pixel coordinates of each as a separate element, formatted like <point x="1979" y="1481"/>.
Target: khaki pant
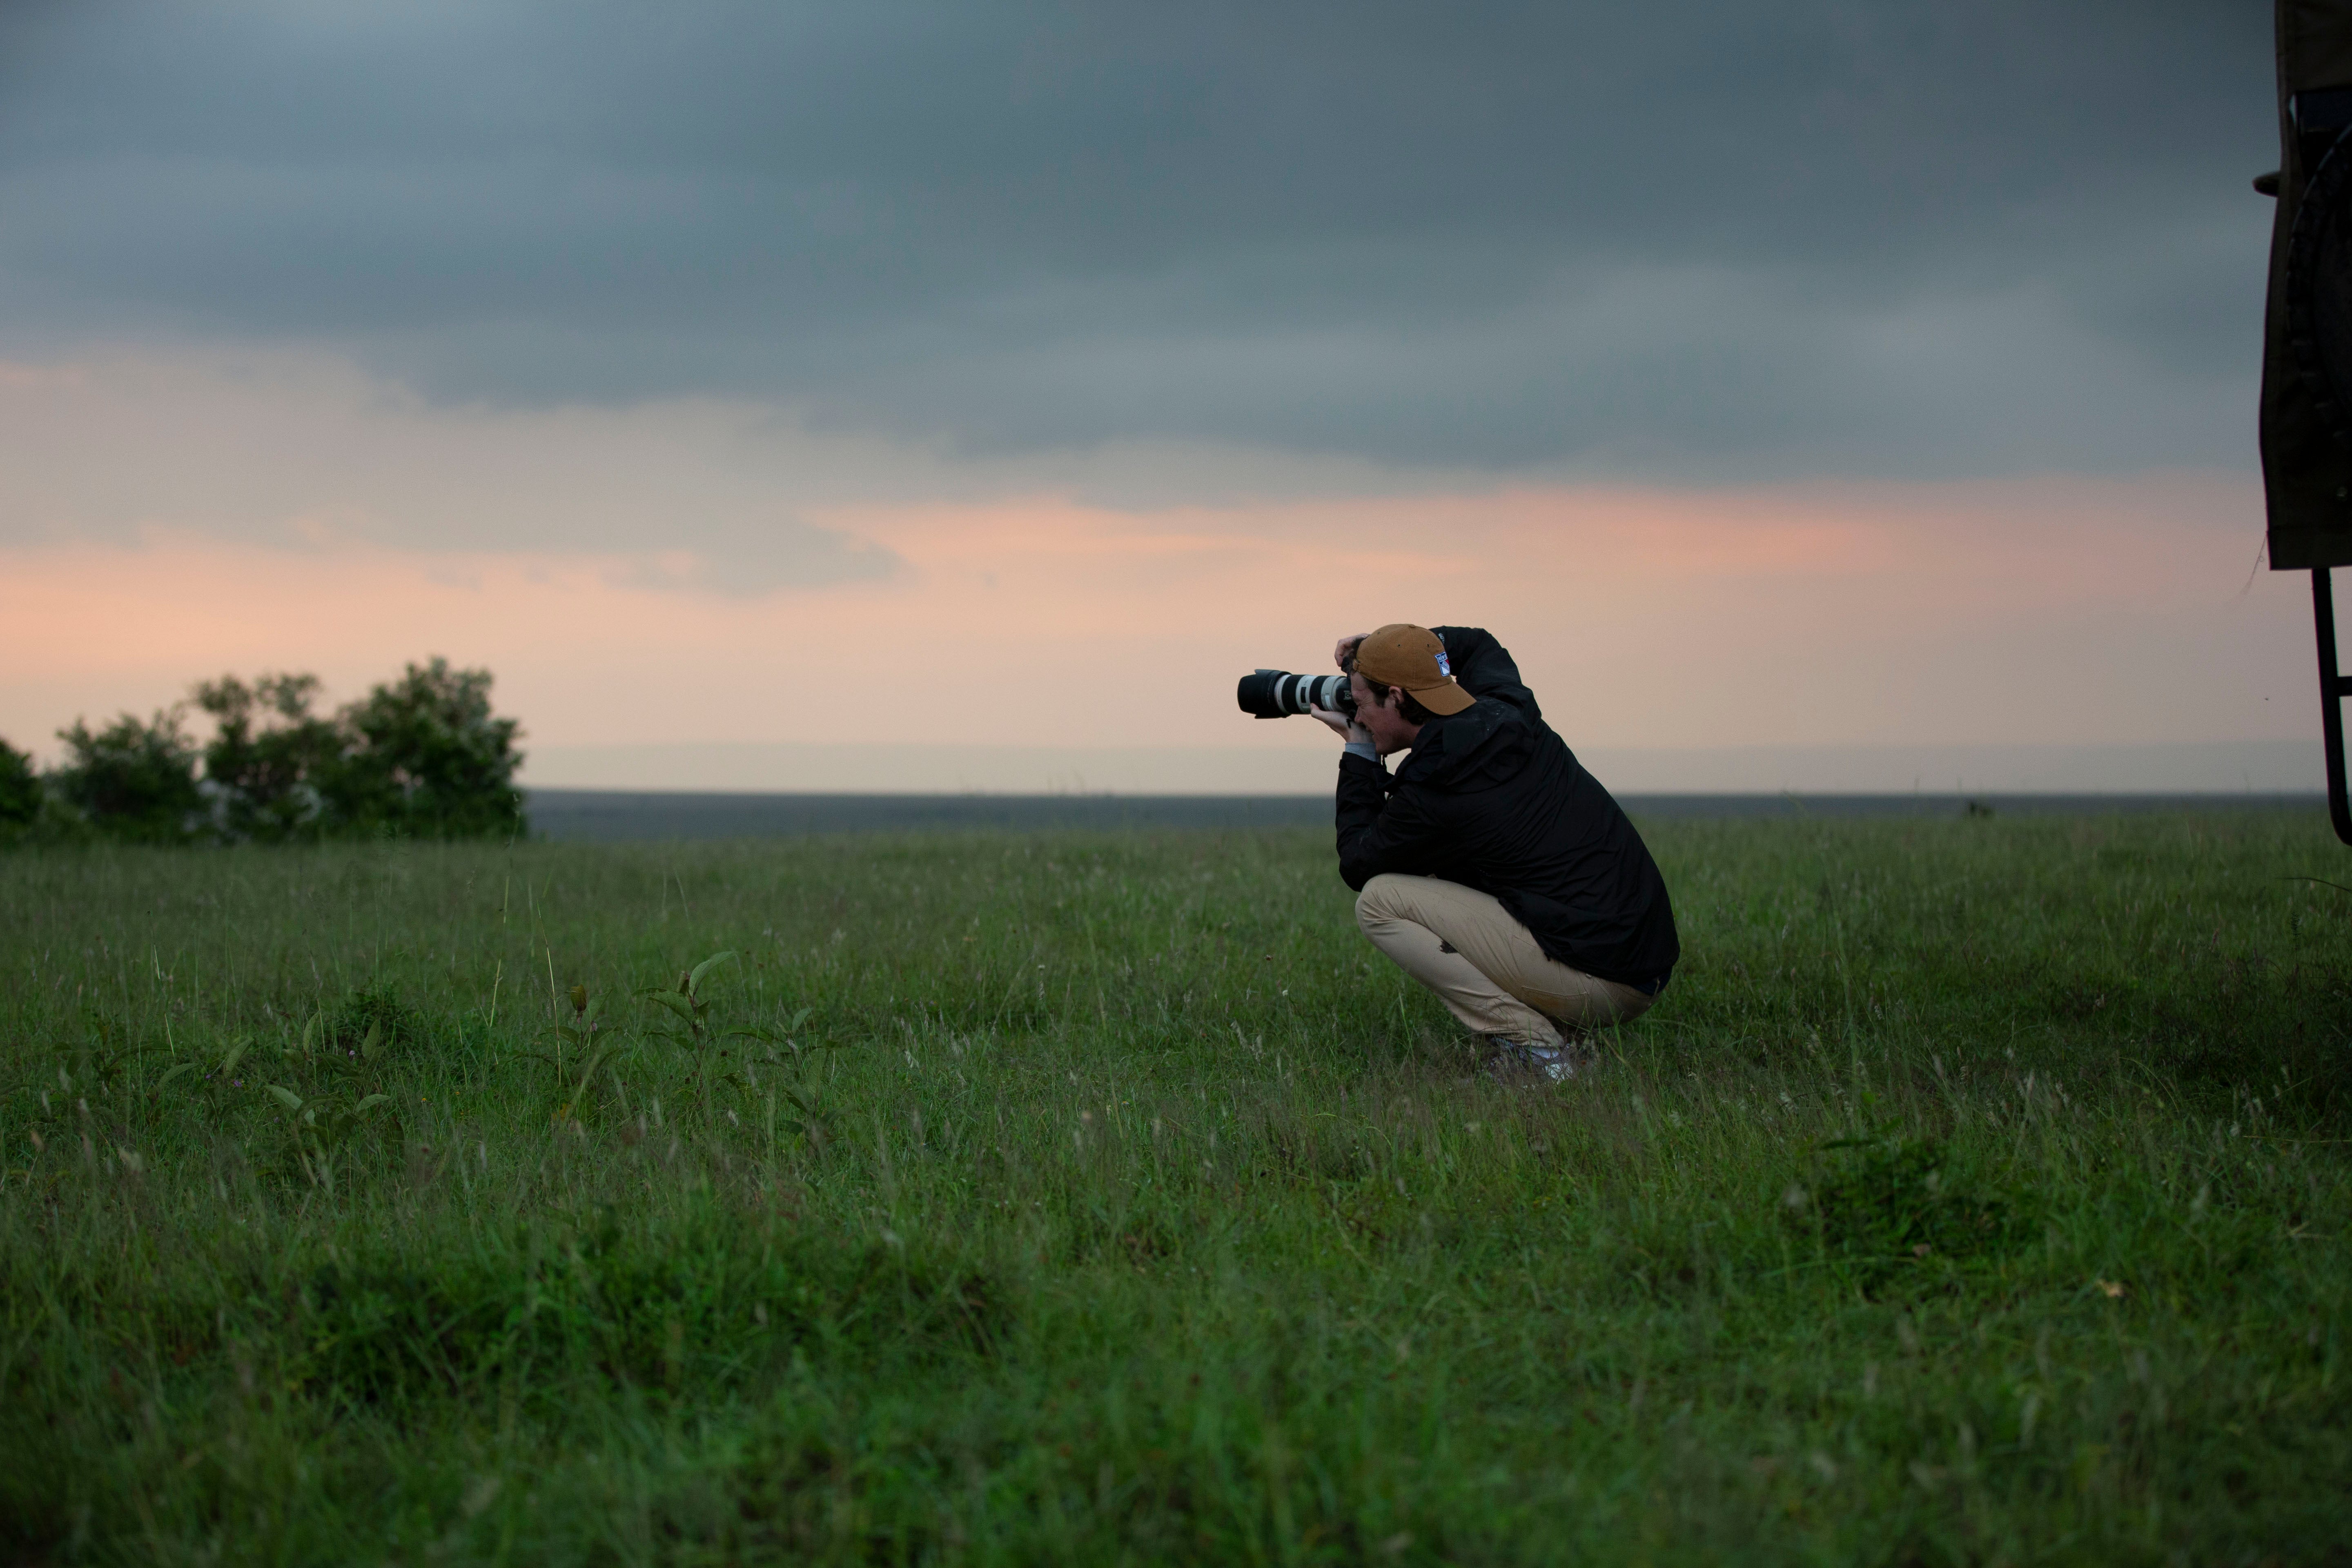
<point x="1484" y="964"/>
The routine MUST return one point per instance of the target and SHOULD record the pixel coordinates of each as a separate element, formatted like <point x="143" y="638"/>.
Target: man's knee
<point x="1379" y="901"/>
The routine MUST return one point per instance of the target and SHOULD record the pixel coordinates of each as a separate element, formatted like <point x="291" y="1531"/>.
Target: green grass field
<point x="1977" y="1194"/>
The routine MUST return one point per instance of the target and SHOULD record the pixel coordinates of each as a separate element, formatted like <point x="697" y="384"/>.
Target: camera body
<point x="1278" y="693"/>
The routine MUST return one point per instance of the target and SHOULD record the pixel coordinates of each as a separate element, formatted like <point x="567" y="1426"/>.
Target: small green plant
<point x="1889" y="1205"/>
<point x="591" y="1044"/>
<point x="687" y="1001"/>
<point x="794" y="1105"/>
<point x="368" y="1021"/>
<point x="318" y="1126"/>
<point x="690" y="1003"/>
<point x="220" y="1076"/>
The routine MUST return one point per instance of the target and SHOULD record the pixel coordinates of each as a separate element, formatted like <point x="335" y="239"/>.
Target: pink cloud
<point x="2019" y="611"/>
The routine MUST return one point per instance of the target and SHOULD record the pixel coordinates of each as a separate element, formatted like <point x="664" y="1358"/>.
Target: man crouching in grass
<point x="1492" y="868"/>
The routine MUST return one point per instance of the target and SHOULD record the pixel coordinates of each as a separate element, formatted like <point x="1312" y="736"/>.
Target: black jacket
<point x="1492" y="799"/>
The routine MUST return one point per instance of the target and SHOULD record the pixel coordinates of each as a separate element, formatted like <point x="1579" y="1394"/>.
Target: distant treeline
<point x="421" y="757"/>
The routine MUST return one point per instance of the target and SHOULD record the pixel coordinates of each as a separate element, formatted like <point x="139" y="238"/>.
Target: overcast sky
<point x="1665" y="238"/>
<point x="680" y="288"/>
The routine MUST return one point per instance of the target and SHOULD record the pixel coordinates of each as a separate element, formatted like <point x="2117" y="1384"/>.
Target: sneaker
<point x="1518" y="1058"/>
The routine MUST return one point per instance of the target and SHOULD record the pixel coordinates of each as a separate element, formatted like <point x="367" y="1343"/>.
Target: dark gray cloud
<point x="1676" y="237"/>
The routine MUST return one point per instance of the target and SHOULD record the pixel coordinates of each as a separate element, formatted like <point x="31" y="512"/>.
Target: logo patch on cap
<point x="1444" y="668"/>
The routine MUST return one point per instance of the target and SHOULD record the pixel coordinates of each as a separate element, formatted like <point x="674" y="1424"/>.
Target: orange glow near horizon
<point x="629" y="575"/>
<point x="2014" y="612"/>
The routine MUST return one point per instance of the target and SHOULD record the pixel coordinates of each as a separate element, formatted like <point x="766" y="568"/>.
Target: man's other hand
<point x="1347" y="649"/>
<point x="1345" y="727"/>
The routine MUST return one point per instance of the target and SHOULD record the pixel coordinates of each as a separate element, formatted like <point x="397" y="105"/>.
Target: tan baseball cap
<point x="1411" y="656"/>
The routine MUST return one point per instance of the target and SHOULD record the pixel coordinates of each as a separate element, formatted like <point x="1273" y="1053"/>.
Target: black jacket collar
<point x="1453" y="742"/>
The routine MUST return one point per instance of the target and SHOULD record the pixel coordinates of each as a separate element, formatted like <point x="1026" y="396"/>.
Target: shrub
<point x="424" y="756"/>
<point x="271" y="765"/>
<point x="134" y="782"/>
<point x="373" y="1009"/>
<point x="20" y="792"/>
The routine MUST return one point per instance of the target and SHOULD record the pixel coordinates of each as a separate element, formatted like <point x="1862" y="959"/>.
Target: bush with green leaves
<point x="134" y="780"/>
<point x="420" y="757"/>
<point x="271" y="763"/>
<point x="424" y="757"/>
<point x="20" y="793"/>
